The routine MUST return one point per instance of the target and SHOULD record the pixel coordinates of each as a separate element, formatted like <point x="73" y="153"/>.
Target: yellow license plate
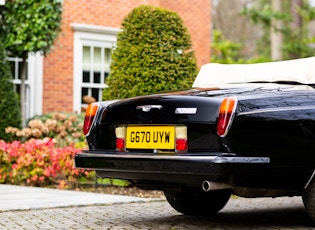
<point x="150" y="137"/>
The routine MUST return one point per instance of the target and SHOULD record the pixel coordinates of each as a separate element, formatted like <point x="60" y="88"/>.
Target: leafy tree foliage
<point x="297" y="43"/>
<point x="153" y="54"/>
<point x="9" y="101"/>
<point x="223" y="50"/>
<point x="29" y="26"/>
<point x="228" y="52"/>
<point x="227" y="18"/>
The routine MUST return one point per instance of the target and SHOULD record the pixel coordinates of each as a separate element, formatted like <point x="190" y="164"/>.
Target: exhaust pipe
<point x="208" y="186"/>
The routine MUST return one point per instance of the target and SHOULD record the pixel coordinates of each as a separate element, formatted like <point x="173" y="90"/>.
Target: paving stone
<point x="36" y="208"/>
<point x="259" y="213"/>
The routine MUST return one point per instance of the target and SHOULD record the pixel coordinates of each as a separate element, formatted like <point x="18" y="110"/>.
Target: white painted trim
<point x="35" y="82"/>
<point x="94" y="29"/>
<point x="38" y="106"/>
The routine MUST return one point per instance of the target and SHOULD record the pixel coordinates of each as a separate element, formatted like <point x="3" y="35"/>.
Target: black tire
<point x="197" y="203"/>
<point x="309" y="200"/>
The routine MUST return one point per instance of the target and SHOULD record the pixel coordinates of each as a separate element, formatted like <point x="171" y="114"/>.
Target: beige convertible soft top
<point x="298" y="70"/>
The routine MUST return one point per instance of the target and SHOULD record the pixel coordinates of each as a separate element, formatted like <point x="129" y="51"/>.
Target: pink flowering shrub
<point x="37" y="162"/>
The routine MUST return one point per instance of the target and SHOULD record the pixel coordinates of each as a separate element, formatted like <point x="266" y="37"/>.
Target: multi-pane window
<point x="16" y="65"/>
<point x="33" y="82"/>
<point x="95" y="69"/>
<point x="92" y="57"/>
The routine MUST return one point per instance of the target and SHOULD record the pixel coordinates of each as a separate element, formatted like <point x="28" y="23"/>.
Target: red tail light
<point x="181" y="145"/>
<point x="120" y="144"/>
<point x="89" y="116"/>
<point x="226" y="114"/>
<point x="181" y="142"/>
<point x="120" y="133"/>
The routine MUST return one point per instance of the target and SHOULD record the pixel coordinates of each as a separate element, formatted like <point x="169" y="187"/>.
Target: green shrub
<point x="10" y="114"/>
<point x="153" y="54"/>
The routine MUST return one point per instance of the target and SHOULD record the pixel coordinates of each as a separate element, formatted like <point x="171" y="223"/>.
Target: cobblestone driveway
<point x="261" y="213"/>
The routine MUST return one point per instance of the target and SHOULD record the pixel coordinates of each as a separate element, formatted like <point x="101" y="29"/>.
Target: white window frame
<point x="85" y="35"/>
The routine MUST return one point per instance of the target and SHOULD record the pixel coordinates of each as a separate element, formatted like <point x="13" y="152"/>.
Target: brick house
<point x="80" y="60"/>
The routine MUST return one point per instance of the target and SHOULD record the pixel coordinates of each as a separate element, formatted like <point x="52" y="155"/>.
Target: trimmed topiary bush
<point x="153" y="54"/>
<point x="10" y="114"/>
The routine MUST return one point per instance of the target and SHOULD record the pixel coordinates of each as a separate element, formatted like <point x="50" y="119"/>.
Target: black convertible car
<point x="247" y="130"/>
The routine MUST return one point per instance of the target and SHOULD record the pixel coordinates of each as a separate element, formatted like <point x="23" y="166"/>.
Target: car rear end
<point x="167" y="140"/>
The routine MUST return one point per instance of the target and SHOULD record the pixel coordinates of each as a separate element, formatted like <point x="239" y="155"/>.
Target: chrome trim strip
<point x="309" y="181"/>
<point x="102" y="104"/>
<point x="214" y="159"/>
<point x="277" y="109"/>
<point x="94" y="118"/>
<point x="147" y="108"/>
<point x="185" y="110"/>
<point x="251" y="160"/>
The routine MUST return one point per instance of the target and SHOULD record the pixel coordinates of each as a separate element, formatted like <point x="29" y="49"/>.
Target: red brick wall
<point x="58" y="65"/>
<point x="197" y="17"/>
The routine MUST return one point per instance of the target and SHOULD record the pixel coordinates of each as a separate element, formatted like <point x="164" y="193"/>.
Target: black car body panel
<point x="271" y="140"/>
<point x="253" y="139"/>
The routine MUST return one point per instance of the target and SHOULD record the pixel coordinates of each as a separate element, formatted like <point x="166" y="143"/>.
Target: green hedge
<point x="10" y="114"/>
